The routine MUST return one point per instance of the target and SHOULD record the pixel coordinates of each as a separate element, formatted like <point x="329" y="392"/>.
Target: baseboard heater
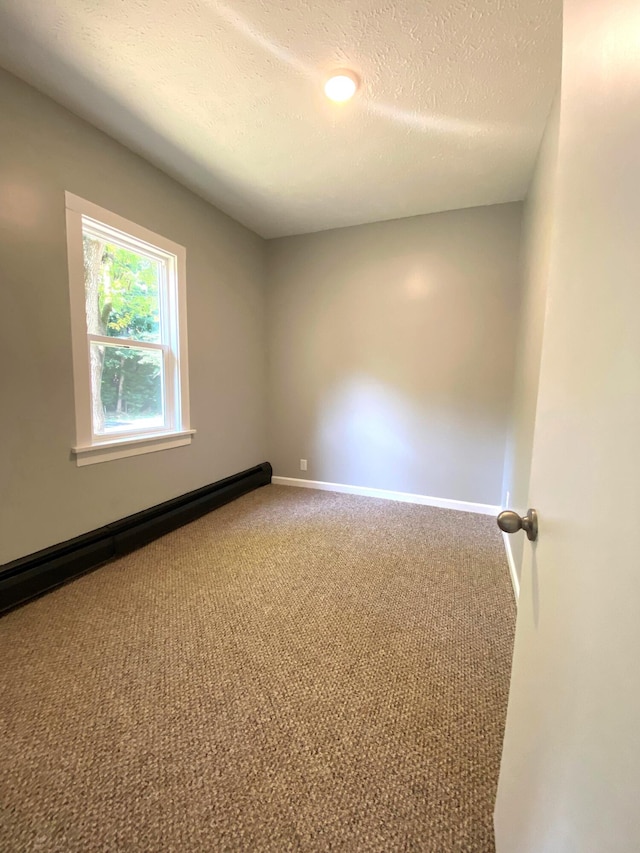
<point x="34" y="574"/>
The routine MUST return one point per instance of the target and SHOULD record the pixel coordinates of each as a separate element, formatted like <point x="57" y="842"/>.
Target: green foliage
<point x="129" y="306"/>
<point x="128" y="295"/>
<point x="131" y="386"/>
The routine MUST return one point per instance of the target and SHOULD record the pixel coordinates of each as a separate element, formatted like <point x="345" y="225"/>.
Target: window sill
<point x="120" y="448"/>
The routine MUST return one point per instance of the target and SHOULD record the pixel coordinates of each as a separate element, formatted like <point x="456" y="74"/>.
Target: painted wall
<point x="391" y="350"/>
<point x="537" y="231"/>
<point x="45" y="150"/>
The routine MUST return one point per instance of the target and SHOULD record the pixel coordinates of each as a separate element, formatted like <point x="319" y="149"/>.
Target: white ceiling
<point x="227" y="97"/>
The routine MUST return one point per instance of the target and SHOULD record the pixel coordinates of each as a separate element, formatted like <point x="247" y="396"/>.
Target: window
<point x="128" y="323"/>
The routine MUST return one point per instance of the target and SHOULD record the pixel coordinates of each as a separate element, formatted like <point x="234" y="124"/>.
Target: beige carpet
<point x="296" y="671"/>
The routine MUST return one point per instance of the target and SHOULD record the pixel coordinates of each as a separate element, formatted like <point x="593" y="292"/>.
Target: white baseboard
<point x="405" y="497"/>
<point x="512" y="566"/>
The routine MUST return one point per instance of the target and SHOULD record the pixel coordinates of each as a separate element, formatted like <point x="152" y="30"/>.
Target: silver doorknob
<point x="510" y="522"/>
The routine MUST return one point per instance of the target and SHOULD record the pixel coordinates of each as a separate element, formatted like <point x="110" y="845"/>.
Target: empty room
<point x="320" y="383"/>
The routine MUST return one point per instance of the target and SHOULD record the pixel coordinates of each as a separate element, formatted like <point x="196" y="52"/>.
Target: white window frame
<point x="91" y="447"/>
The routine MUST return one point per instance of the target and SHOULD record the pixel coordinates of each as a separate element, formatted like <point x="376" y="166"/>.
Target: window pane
<point x="127" y="388"/>
<point x="122" y="291"/>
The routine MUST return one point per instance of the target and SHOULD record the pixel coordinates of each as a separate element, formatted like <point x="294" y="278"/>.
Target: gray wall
<point x="537" y="234"/>
<point x="45" y="150"/>
<point x="391" y="349"/>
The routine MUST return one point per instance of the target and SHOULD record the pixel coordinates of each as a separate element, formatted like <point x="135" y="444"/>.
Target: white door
<point x="570" y="775"/>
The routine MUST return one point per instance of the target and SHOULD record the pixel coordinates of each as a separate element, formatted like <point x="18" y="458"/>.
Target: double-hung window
<point x="128" y="312"/>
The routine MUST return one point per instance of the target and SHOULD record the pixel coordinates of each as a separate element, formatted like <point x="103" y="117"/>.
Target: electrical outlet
<point x="303" y="464"/>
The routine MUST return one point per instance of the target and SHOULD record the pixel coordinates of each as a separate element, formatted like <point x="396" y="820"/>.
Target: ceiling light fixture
<point x="342" y="85"/>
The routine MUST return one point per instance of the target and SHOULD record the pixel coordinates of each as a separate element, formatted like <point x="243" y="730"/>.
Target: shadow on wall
<point x="365" y="427"/>
<point x="370" y="432"/>
<point x="394" y="372"/>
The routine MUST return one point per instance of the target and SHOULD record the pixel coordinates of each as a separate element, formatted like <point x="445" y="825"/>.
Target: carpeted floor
<point x="298" y="670"/>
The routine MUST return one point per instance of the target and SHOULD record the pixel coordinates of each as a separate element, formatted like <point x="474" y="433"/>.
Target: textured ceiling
<point x="227" y="97"/>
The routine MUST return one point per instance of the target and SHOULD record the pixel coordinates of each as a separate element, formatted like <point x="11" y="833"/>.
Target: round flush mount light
<point x="341" y="85"/>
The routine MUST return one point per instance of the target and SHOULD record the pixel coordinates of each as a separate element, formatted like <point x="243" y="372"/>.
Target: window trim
<point x="89" y="447"/>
